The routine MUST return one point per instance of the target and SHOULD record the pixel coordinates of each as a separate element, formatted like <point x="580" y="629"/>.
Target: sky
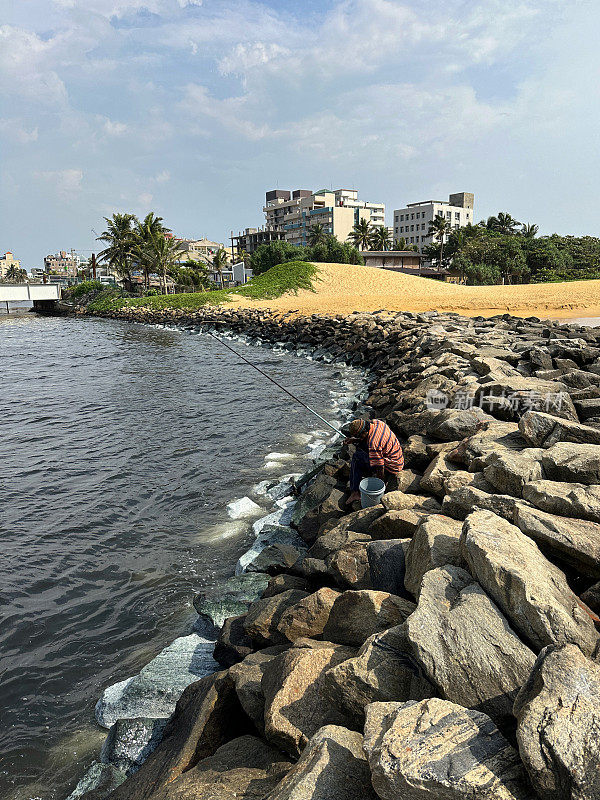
<point x="194" y="108"/>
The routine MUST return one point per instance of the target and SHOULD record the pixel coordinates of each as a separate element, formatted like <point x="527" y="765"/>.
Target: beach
<point x="344" y="288"/>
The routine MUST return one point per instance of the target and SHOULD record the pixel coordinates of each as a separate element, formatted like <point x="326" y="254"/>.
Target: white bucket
<point x="371" y="492"/>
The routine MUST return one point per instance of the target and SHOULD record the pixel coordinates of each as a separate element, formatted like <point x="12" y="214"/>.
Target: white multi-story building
<point x="338" y="210"/>
<point x="412" y="222"/>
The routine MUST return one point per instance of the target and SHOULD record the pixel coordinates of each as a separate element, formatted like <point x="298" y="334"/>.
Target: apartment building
<point x="412" y="222"/>
<point x="6" y="262"/>
<point x="63" y="263"/>
<point x="338" y="210"/>
<point x="251" y="238"/>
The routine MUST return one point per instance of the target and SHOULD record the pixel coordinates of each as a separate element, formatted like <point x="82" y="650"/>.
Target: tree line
<point x="147" y="246"/>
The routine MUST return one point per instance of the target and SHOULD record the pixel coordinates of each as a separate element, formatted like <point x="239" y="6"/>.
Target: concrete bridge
<point x="42" y="295"/>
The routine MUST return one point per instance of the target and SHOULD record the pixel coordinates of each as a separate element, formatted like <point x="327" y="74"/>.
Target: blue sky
<point x="194" y="108"/>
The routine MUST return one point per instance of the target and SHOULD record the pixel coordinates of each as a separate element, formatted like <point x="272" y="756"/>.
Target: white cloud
<point x="112" y="128"/>
<point x="66" y="183"/>
<point x="15" y="130"/>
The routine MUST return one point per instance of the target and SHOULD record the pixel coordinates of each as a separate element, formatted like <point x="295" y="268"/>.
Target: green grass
<point x="288" y="277"/>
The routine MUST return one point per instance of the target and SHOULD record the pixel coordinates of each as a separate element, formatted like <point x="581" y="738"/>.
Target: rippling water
<point x="121" y="446"/>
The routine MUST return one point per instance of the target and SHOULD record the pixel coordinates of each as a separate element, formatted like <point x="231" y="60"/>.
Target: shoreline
<point x="468" y="464"/>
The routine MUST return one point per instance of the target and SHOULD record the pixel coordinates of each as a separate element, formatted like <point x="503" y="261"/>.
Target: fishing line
<point x="269" y="378"/>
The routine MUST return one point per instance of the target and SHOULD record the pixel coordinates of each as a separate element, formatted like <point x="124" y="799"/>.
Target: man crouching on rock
<point x="378" y="453"/>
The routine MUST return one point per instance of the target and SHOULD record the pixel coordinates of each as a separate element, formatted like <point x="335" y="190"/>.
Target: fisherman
<point x="378" y="453"/>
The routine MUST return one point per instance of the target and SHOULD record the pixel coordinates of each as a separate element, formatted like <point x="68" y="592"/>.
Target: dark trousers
<point x="360" y="468"/>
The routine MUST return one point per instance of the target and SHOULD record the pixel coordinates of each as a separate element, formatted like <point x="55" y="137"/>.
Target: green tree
<point x="439" y="228"/>
<point x="381" y="238"/>
<point x="317" y="234"/>
<point x="16" y="275"/>
<point x="161" y="255"/>
<point x="270" y="255"/>
<point x="120" y="240"/>
<point x="360" y="235"/>
<point x="400" y="244"/>
<point x="144" y="233"/>
<point x="503" y="223"/>
<point x="529" y="231"/>
<point x="219" y="262"/>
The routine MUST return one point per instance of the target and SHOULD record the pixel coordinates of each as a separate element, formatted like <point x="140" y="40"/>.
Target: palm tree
<point x="15" y="274"/>
<point x="145" y="231"/>
<point x="529" y="231"/>
<point x="381" y="238"/>
<point x="219" y="262"/>
<point x="161" y="255"/>
<point x="317" y="234"/>
<point x="119" y="237"/>
<point x="439" y="228"/>
<point x="361" y="233"/>
<point x="503" y="223"/>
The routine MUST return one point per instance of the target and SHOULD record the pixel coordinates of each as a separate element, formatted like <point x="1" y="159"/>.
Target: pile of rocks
<point x="445" y="643"/>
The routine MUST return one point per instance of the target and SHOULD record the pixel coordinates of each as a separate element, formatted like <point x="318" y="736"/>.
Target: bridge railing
<point x="20" y="292"/>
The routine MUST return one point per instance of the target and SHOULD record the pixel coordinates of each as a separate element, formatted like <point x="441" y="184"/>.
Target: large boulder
<point x="462" y="501"/>
<point x="207" y="715"/>
<point x="436" y="750"/>
<point x="264" y="616"/>
<point x="322" y="501"/>
<point x="523" y="394"/>
<point x="275" y="558"/>
<point x="332" y="767"/>
<point x="245" y="768"/>
<point x="437" y="473"/>
<point x="384" y="669"/>
<point x="349" y="566"/>
<point x="465" y="645"/>
<point x="397" y="501"/>
<point x="530" y="590"/>
<point x="398" y="524"/>
<point x="130" y="742"/>
<point x="356" y="615"/>
<point x="508" y="472"/>
<point x="575" y="542"/>
<point x="155" y="690"/>
<point x="230" y="598"/>
<point x="291" y="683"/>
<point x="558" y="712"/>
<point x="575" y="463"/>
<point x="451" y="424"/>
<point x="564" y="499"/>
<point x="233" y="643"/>
<point x="98" y="782"/>
<point x="436" y="542"/>
<point x="387" y="565"/>
<point x="247" y="677"/>
<point x="284" y="582"/>
<point x="308" y="617"/>
<point x="544" y="430"/>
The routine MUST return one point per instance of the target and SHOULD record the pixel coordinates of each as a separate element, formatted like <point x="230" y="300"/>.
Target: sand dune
<point x="342" y="288"/>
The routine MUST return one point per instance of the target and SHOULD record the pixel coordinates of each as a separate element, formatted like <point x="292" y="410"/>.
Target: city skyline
<point x="193" y="109"/>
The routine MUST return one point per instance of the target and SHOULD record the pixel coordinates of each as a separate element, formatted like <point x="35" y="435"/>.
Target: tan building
<point x="62" y="263"/>
<point x="199" y="249"/>
<point x="412" y="221"/>
<point x="338" y="210"/>
<point x="6" y="262"/>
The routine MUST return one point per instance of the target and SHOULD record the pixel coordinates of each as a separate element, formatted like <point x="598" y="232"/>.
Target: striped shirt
<point x="384" y="448"/>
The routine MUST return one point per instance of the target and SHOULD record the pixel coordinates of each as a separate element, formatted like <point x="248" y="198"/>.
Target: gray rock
<point x="452" y="424"/>
<point x="526" y="394"/>
<point x="264" y="615"/>
<point x="308" y="617"/>
<point x="155" y="690"/>
<point x="231" y="598"/>
<point x="591" y="597"/>
<point x="558" y="712"/>
<point x="130" y="742"/>
<point x="233" y="643"/>
<point x="331" y="767"/>
<point x="544" y="430"/>
<point x="575" y="542"/>
<point x="575" y="463"/>
<point x="465" y="645"/>
<point x="98" y="782"/>
<point x="508" y="472"/>
<point x="269" y="534"/>
<point x="397" y="501"/>
<point x="437" y="473"/>
<point x="462" y="501"/>
<point x="530" y="590"/>
<point x="349" y="566"/>
<point x="387" y="565"/>
<point x="247" y="676"/>
<point x="274" y="559"/>
<point x="384" y="669"/>
<point x="208" y="714"/>
<point x="321" y="502"/>
<point x="284" y="582"/>
<point x="437" y="750"/>
<point x="397" y="524"/>
<point x="436" y="542"/>
<point x="564" y="499"/>
<point x="294" y="706"/>
<point x="356" y="615"/>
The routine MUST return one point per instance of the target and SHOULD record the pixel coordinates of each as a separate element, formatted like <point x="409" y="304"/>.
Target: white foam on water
<point x="244" y="507"/>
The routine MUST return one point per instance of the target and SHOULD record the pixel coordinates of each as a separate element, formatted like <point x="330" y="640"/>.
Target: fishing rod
<point x="269" y="378"/>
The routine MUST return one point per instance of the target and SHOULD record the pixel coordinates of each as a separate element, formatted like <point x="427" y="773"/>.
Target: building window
<point x="395" y="217"/>
<point x="412" y="227"/>
<point x="412" y="216"/>
<point x="457" y="215"/>
<point x="422" y="226"/>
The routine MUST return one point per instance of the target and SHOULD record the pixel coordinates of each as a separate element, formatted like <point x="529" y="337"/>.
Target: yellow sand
<point x="342" y="288"/>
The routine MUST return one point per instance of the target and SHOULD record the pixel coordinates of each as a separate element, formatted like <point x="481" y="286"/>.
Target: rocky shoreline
<point x="443" y="644"/>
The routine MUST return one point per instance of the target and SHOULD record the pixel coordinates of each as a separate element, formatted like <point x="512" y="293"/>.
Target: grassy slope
<point x="288" y="277"/>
